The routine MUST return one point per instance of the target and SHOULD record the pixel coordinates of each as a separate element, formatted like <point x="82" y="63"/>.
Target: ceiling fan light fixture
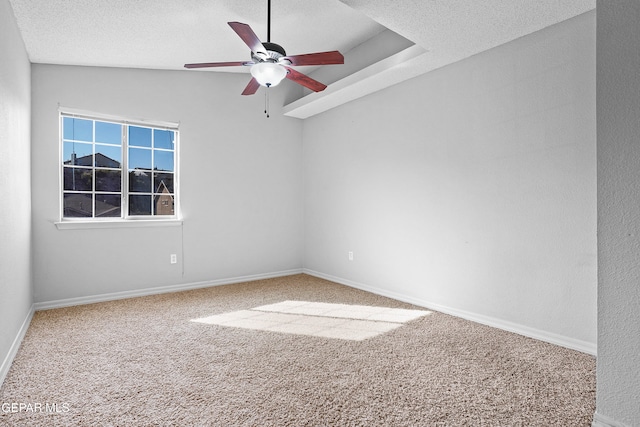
<point x="268" y="74"/>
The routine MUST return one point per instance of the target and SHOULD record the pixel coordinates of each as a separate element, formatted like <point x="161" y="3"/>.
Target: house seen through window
<point x="117" y="169"/>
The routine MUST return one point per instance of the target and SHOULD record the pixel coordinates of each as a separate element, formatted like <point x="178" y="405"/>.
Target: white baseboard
<point x="13" y="350"/>
<point x="604" y="421"/>
<point x="563" y="341"/>
<point x="158" y="290"/>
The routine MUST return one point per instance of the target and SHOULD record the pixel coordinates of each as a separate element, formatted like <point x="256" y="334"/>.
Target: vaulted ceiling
<point x="384" y="42"/>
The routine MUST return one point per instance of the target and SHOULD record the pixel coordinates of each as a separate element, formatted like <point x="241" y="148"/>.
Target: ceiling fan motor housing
<point x="274" y="52"/>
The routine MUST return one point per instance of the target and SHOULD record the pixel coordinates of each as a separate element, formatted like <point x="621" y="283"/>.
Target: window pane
<point x="77" y="129"/>
<point x="163" y="204"/>
<point x="163" y="138"/>
<point x="78" y="205"/>
<point x="76" y="179"/>
<point x="108" y="156"/>
<point x="139" y="158"/>
<point x="140" y="181"/>
<point x="108" y="205"/>
<point x="163" y="181"/>
<point x="140" y="137"/>
<point x="111" y="133"/>
<point x="110" y="164"/>
<point x="108" y="181"/>
<point x="139" y="205"/>
<point x="163" y="160"/>
<point x="77" y="153"/>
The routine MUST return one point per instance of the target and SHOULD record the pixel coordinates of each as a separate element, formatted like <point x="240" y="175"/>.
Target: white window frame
<point x="125" y="219"/>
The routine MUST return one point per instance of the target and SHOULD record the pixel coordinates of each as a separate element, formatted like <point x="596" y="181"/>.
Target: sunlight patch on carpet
<point x="318" y="319"/>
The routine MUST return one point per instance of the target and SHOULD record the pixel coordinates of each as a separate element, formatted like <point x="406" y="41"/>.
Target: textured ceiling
<point x="455" y="29"/>
<point x="165" y="34"/>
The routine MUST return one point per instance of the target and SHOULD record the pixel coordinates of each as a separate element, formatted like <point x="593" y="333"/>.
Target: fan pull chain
<point x="266" y="102"/>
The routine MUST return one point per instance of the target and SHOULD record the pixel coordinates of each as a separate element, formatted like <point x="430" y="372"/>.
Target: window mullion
<point x="125" y="171"/>
<point x="153" y="174"/>
<point x="93" y="169"/>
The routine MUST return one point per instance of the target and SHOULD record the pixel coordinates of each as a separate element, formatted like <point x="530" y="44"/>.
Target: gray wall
<point x="618" y="100"/>
<point x="240" y="183"/>
<point x="470" y="189"/>
<point x="15" y="215"/>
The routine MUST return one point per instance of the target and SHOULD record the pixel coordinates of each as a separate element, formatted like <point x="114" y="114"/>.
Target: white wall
<point x="618" y="100"/>
<point x="470" y="189"/>
<point x="15" y="215"/>
<point x="240" y="183"/>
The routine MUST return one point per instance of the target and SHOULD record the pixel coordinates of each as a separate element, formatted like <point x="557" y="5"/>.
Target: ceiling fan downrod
<point x="268" y="21"/>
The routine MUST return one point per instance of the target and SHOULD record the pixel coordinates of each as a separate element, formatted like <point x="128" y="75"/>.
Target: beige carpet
<point x="170" y="360"/>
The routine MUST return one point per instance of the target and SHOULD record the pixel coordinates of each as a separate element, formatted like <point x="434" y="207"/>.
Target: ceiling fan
<point x="270" y="64"/>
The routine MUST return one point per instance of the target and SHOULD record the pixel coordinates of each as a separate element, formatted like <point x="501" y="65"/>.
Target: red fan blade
<point x="218" y="64"/>
<point x="252" y="87"/>
<point x="248" y="37"/>
<point x="305" y="80"/>
<point x="320" y="58"/>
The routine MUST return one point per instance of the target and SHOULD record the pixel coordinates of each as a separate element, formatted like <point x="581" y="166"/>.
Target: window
<point x="117" y="169"/>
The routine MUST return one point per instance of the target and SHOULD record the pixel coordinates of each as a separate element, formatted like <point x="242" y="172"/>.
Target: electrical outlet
<point x="350" y="256"/>
<point x="174" y="258"/>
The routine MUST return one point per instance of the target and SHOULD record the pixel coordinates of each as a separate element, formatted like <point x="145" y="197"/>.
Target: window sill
<point x="85" y="225"/>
